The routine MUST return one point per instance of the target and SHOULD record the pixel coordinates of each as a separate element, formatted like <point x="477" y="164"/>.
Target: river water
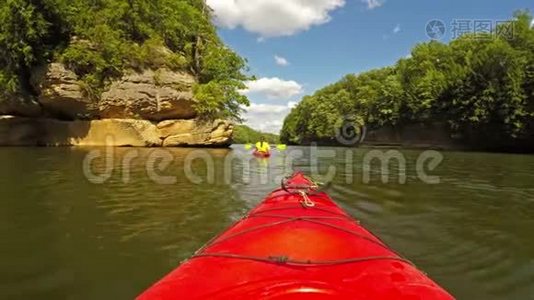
<point x="110" y="229"/>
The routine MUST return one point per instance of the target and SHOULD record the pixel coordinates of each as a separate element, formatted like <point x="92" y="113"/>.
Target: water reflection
<point x="66" y="237"/>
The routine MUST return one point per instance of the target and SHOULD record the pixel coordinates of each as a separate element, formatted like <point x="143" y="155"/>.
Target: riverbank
<point x="19" y="131"/>
<point x="148" y="108"/>
<point x="480" y="88"/>
<point x="438" y="136"/>
<point x="425" y="136"/>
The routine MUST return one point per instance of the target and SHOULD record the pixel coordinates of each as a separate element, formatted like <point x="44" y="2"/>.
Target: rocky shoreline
<point x="150" y="108"/>
<point x="20" y="131"/>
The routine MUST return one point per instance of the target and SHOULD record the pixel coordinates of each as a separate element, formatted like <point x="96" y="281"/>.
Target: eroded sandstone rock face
<point x="60" y="93"/>
<point x="16" y="131"/>
<point x="151" y="95"/>
<point x="114" y="132"/>
<point x="179" y="133"/>
<point x="18" y="106"/>
<point x="126" y="115"/>
<point x="19" y="131"/>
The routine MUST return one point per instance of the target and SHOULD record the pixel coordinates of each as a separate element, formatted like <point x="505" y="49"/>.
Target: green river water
<point x="69" y="236"/>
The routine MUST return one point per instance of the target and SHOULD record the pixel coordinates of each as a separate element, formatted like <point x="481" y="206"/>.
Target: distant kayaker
<point x="262" y="146"/>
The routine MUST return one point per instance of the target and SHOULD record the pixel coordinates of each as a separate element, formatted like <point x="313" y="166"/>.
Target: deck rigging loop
<point x="304" y="190"/>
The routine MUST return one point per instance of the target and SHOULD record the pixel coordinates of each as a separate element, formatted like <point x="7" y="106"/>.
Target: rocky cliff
<point x="21" y="131"/>
<point x="151" y="95"/>
<point x="150" y="108"/>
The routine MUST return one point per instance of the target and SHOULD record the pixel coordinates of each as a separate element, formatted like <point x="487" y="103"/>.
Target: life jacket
<point x="263" y="147"/>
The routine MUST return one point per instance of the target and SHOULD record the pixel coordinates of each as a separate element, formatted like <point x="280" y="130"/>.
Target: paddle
<point x="279" y="147"/>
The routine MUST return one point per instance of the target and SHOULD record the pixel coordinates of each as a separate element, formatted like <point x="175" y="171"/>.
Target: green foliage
<point x="154" y="54"/>
<point x="24" y="40"/>
<point x="246" y="135"/>
<point x="220" y="82"/>
<point x="483" y="88"/>
<point x="220" y="99"/>
<point x="9" y="84"/>
<point x="99" y="39"/>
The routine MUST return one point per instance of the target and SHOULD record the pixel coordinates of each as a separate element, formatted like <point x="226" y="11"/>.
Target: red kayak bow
<point x="297" y="244"/>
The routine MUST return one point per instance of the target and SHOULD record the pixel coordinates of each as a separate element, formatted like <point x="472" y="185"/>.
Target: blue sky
<point x="295" y="47"/>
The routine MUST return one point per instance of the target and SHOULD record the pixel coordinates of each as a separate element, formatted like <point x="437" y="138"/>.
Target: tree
<point x="246" y="135"/>
<point x="482" y="86"/>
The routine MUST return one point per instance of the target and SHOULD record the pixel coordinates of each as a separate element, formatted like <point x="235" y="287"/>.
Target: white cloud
<point x="532" y="24"/>
<point x="274" y="88"/>
<point x="292" y="104"/>
<point x="372" y="4"/>
<point x="281" y="61"/>
<point x="397" y="29"/>
<point x="273" y="18"/>
<point x="267" y="117"/>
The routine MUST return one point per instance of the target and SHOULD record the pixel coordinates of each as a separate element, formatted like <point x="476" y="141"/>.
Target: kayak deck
<point x="296" y="247"/>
